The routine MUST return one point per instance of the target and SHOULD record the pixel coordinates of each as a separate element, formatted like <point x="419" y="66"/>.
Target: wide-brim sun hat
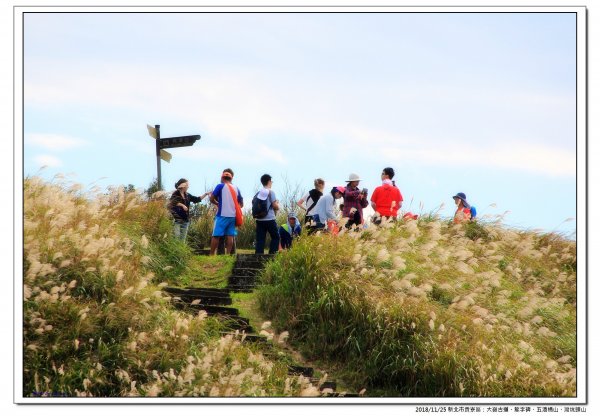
<point x="463" y="198"/>
<point x="353" y="177"/>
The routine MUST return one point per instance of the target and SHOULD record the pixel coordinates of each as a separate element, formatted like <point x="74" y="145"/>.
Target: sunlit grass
<point x="96" y="322"/>
<point x="428" y="308"/>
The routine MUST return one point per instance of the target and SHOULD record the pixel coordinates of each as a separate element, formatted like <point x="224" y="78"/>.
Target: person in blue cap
<point x="289" y="231"/>
<point x="463" y="209"/>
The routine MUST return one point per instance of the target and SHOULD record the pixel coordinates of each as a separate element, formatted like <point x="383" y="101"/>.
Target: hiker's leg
<point x="261" y="236"/>
<point x="184" y="230"/>
<point x="216" y="235"/>
<point x="229" y="244"/>
<point x="272" y="228"/>
<point x="221" y="246"/>
<point x="214" y="243"/>
<point x="176" y="230"/>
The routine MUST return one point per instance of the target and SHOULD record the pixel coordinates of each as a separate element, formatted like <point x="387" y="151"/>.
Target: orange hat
<point x="226" y="175"/>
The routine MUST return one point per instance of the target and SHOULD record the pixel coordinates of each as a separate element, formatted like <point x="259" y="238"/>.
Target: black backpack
<point x="260" y="208"/>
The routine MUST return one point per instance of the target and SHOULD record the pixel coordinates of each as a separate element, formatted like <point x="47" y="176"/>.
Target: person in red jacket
<point x="386" y="199"/>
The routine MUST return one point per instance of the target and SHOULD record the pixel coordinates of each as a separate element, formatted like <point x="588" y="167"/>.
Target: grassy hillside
<point x="95" y="320"/>
<point x="428" y="308"/>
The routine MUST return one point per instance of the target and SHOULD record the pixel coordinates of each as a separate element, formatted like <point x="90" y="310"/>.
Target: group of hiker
<point x="319" y="206"/>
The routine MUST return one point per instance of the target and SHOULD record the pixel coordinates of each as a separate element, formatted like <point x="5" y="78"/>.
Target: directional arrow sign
<point x="166" y="156"/>
<point x="151" y="131"/>
<point x="180" y="141"/>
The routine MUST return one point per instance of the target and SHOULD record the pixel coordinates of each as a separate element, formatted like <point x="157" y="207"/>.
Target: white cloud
<point x="519" y="156"/>
<point x="145" y="145"/>
<point x="47" y="160"/>
<point x="53" y="141"/>
<point x="242" y="106"/>
<point x="244" y="153"/>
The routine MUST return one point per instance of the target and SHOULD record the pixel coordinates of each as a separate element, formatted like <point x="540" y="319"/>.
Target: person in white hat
<point x="355" y="200"/>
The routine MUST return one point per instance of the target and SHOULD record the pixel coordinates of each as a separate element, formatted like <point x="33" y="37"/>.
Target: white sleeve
<point x="330" y="212"/>
<point x="305" y="200"/>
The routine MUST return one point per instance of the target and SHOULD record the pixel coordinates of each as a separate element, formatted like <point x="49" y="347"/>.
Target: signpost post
<point x="167" y="143"/>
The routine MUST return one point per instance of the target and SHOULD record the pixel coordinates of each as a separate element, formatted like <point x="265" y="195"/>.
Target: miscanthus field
<point x="421" y="308"/>
<point x="96" y="322"/>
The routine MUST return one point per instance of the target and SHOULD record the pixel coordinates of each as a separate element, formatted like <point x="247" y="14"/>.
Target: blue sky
<point x="478" y="103"/>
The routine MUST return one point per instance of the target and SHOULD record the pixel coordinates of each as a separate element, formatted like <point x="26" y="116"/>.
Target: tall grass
<point x="429" y="308"/>
<point x="95" y="320"/>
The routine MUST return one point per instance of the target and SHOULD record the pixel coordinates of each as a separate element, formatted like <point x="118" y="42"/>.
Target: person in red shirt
<point x="386" y="199"/>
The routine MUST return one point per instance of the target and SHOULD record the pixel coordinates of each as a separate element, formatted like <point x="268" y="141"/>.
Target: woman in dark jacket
<point x="179" y="205"/>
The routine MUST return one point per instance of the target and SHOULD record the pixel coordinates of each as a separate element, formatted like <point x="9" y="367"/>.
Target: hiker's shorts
<point x="224" y="226"/>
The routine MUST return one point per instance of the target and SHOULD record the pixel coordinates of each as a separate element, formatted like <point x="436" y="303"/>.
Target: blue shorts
<point x="224" y="226"/>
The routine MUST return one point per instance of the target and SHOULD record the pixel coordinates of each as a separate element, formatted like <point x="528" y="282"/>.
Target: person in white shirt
<point x="267" y="224"/>
<point x="325" y="209"/>
<point x="309" y="201"/>
<point x="225" y="218"/>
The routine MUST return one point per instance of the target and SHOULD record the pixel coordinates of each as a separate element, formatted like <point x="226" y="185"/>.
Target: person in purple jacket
<point x="355" y="200"/>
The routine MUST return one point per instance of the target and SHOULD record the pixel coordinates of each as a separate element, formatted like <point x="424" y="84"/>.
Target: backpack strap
<point x="239" y="216"/>
<point x="269" y="199"/>
<point x="312" y="196"/>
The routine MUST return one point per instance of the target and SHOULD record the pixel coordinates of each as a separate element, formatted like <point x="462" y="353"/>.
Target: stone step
<point x="245" y="271"/>
<point x="327" y="384"/>
<point x="223" y="292"/>
<point x="252" y="266"/>
<point x="210" y="309"/>
<point x="237" y="323"/>
<point x="206" y="298"/>
<point x="342" y="394"/>
<point x="249" y="337"/>
<point x="301" y="371"/>
<point x="235" y="280"/>
<point x="252" y="256"/>
<point x="241" y="288"/>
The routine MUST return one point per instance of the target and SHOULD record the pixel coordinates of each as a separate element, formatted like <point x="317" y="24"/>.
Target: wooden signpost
<point x="167" y="143"/>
